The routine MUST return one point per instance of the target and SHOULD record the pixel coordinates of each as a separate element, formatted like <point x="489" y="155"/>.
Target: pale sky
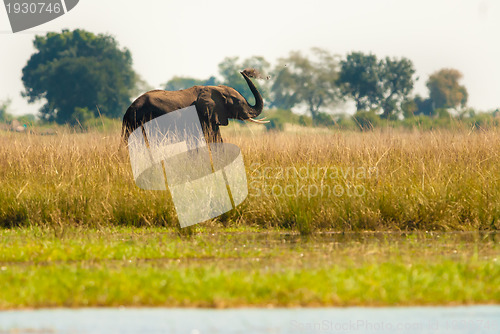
<point x="190" y="38"/>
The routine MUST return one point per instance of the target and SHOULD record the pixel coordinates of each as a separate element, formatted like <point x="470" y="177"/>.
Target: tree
<point x="374" y="84"/>
<point x="300" y="80"/>
<point x="359" y="79"/>
<point x="424" y="106"/>
<point x="444" y="89"/>
<point x="409" y="108"/>
<point x="4" y="114"/>
<point x="77" y="69"/>
<point x="230" y="68"/>
<point x="178" y="83"/>
<point x="397" y="83"/>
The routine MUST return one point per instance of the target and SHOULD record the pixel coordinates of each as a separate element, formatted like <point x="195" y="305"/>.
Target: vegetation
<point x="179" y="83"/>
<point x="317" y="82"/>
<point x="341" y="210"/>
<point x="76" y="231"/>
<point x="374" y="84"/>
<point x="467" y="120"/>
<point x="381" y="89"/>
<point x="7" y="118"/>
<point x="80" y="75"/>
<point x="4" y="113"/>
<point x="347" y="181"/>
<point x="302" y="81"/>
<point x="230" y="68"/>
<point x="77" y="267"/>
<point x="445" y="91"/>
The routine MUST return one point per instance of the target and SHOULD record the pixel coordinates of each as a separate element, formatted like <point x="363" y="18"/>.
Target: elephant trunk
<point x="259" y="102"/>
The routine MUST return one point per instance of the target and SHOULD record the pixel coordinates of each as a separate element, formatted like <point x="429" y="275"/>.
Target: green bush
<point x="86" y="120"/>
<point x="103" y="124"/>
<point x="275" y="124"/>
<point x="27" y="119"/>
<point x="4" y="114"/>
<point x="366" y="120"/>
<point x="324" y="119"/>
<point x="279" y="117"/>
<point x="420" y="122"/>
<point x="81" y="116"/>
<point x="305" y="120"/>
<point x="482" y="121"/>
<point x="346" y="122"/>
<point x="443" y="113"/>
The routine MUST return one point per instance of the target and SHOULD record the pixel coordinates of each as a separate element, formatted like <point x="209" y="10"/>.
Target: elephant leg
<point x="210" y="129"/>
<point x="217" y="137"/>
<point x="212" y="135"/>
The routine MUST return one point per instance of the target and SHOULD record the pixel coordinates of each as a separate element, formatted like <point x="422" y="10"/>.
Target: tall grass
<point x="380" y="180"/>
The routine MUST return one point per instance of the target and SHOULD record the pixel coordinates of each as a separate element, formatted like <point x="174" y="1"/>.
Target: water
<point x="407" y="320"/>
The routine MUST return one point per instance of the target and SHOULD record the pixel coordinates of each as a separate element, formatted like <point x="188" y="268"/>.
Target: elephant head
<point x="215" y="106"/>
<point x="237" y="106"/>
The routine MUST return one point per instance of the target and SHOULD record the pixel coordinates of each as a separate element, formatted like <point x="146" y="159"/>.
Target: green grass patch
<point x="42" y="267"/>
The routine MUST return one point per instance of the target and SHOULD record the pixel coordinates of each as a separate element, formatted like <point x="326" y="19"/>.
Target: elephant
<point x="214" y="104"/>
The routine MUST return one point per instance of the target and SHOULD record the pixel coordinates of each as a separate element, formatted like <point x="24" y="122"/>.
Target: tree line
<point x="81" y="76"/>
<point x="321" y="81"/>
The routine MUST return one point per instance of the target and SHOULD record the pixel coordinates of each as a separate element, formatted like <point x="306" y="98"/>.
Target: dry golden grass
<point x="382" y="180"/>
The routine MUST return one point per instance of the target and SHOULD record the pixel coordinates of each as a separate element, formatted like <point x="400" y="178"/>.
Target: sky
<point x="190" y="38"/>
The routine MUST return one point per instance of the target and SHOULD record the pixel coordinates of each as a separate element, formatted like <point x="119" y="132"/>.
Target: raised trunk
<point x="259" y="102"/>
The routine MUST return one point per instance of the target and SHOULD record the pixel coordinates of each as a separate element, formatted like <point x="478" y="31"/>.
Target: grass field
<point x="386" y="217"/>
<point x="155" y="267"/>
<point x="347" y="181"/>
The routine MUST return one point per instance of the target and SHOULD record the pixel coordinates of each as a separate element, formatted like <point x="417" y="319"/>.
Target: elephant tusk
<point x="258" y="121"/>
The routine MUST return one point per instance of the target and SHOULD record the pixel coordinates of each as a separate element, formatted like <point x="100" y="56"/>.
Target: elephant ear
<point x="212" y="105"/>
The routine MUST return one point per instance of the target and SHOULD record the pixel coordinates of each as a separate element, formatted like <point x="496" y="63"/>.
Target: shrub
<point x="483" y="120"/>
<point x="275" y="124"/>
<point x="305" y="120"/>
<point x="279" y="117"/>
<point x="366" y="120"/>
<point x="421" y="122"/>
<point x="324" y="119"/>
<point x="346" y="122"/>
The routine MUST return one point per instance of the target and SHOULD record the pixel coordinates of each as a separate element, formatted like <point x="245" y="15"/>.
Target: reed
<point x="386" y="179"/>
